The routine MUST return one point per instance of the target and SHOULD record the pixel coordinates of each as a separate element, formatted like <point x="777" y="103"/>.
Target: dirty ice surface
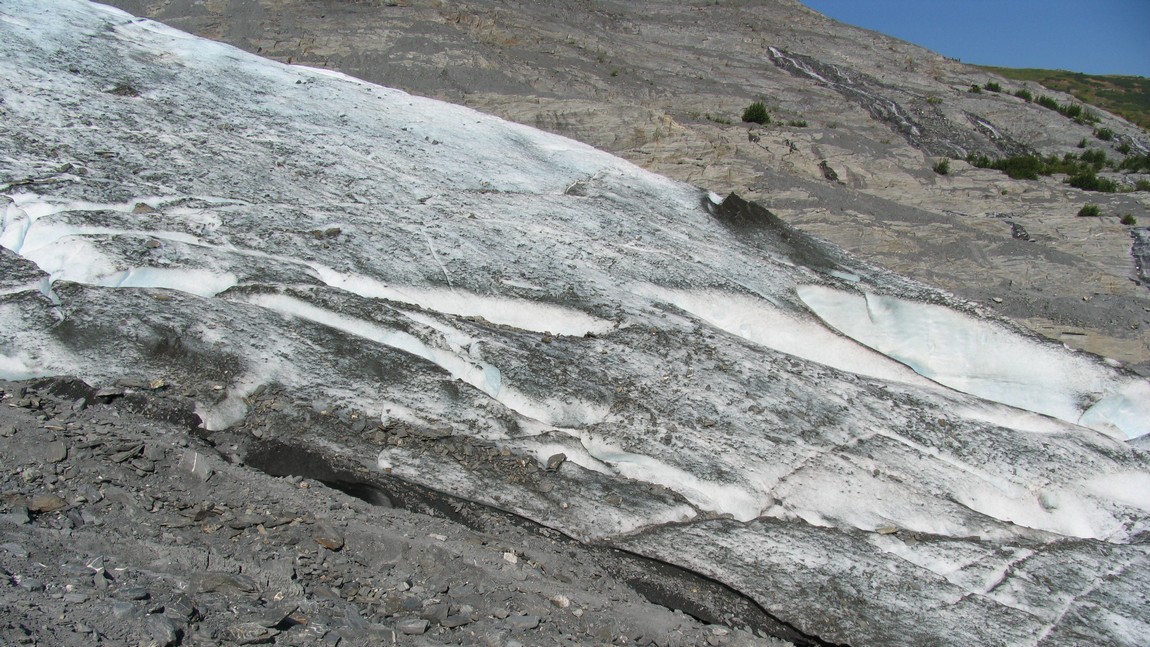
<point x="232" y="222"/>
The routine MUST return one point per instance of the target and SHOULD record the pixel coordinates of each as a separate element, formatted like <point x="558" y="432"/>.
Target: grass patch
<point x="942" y="166"/>
<point x="1047" y="102"/>
<point x="1128" y="96"/>
<point x="1129" y="220"/>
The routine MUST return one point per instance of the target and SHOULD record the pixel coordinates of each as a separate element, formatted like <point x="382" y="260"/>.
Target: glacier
<point x="871" y="460"/>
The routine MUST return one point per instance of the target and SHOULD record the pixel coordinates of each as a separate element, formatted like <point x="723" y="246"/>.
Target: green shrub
<point x="1105" y="134"/>
<point x="1095" y="158"/>
<point x="934" y="101"/>
<point x="1088" y="181"/>
<point x="1090" y="211"/>
<point x="975" y="88"/>
<point x="1142" y="185"/>
<point x="756" y="113"/>
<point x="1019" y="167"/>
<point x="797" y="123"/>
<point x="1082" y="143"/>
<point x="717" y="119"/>
<point x="1047" y="102"/>
<point x="1129" y="219"/>
<point x="942" y="166"/>
<point x="978" y="160"/>
<point x="1029" y="167"/>
<point x="1022" y="167"/>
<point x="1136" y="163"/>
<point x="1124" y="148"/>
<point x="1025" y="95"/>
<point x="993" y="86"/>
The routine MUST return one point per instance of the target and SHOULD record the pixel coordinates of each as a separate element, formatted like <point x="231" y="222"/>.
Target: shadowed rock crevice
<point x="674" y="587"/>
<point x="136" y="396"/>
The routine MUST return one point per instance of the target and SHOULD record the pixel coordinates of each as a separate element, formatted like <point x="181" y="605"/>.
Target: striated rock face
<point x="663" y="84"/>
<point x="373" y="289"/>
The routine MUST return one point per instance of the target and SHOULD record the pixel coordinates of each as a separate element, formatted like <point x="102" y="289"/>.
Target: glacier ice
<point x="865" y="458"/>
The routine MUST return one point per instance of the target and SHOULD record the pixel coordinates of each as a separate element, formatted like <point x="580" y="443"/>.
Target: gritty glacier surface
<point x="871" y="461"/>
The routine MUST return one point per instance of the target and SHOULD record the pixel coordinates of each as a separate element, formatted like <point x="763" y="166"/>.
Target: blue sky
<point x="1092" y="36"/>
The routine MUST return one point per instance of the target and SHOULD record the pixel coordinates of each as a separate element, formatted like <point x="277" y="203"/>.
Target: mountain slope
<point x="518" y="319"/>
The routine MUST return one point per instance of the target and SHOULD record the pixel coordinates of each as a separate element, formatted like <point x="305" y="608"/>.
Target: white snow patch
<point x="554" y="412"/>
<point x="1128" y="488"/>
<point x="14" y="227"/>
<point x="482" y="376"/>
<point x="505" y="311"/>
<point x="740" y="502"/>
<point x="1055" y="509"/>
<point x="575" y="454"/>
<point x="66" y="251"/>
<point x="760" y="322"/>
<point x="15" y="367"/>
<point x="76" y="259"/>
<point x="987" y="360"/>
<point x="1123" y="405"/>
<point x="1012" y="418"/>
<point x="589" y="518"/>
<point x="193" y="281"/>
<point x="486" y="377"/>
<point x="73" y="259"/>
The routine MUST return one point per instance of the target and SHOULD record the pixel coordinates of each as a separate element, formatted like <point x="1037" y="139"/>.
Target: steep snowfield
<point x="868" y="459"/>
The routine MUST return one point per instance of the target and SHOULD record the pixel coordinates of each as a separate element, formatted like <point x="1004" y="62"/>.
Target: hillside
<point x="1125" y="96"/>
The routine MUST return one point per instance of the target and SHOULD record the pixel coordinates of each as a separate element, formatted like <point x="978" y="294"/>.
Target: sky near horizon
<point x="1096" y="37"/>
